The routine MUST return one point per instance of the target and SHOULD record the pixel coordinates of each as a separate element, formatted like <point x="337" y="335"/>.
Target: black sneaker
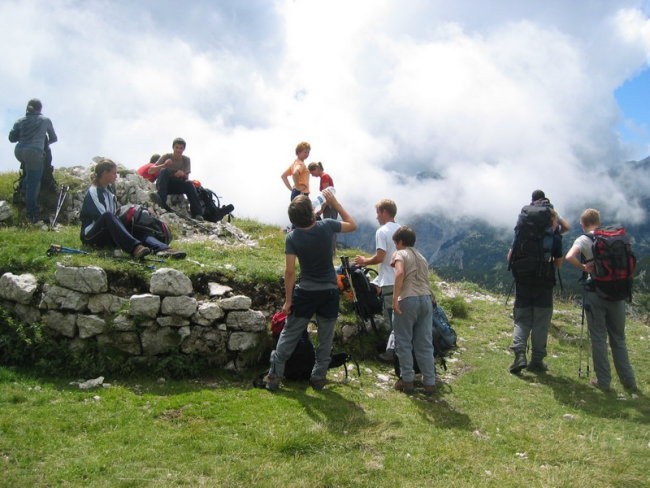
<point x="537" y="367"/>
<point x="172" y="254"/>
<point x="519" y="363"/>
<point x="272" y="382"/>
<point x="317" y="383"/>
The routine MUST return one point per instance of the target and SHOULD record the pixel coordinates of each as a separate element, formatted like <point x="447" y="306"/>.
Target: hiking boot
<point x="140" y="251"/>
<point x="430" y="390"/>
<point x="537" y="366"/>
<point x="198" y="218"/>
<point x="631" y="388"/>
<point x="519" y="362"/>
<point x="272" y="382"/>
<point x="404" y="386"/>
<point x="171" y="253"/>
<point x="317" y="383"/>
<point x="387" y="356"/>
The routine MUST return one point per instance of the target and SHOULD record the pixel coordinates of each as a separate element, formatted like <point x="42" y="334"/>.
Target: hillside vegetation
<point x="485" y="427"/>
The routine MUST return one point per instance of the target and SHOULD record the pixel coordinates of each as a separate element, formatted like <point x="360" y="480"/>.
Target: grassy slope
<point x="485" y="428"/>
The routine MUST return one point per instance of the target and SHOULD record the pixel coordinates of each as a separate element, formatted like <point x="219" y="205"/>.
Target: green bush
<point x="457" y="307"/>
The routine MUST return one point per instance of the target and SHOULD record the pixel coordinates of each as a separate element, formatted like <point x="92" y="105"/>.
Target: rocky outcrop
<point x="167" y="321"/>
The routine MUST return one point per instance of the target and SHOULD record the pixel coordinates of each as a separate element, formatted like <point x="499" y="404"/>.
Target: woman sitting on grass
<point x="100" y="225"/>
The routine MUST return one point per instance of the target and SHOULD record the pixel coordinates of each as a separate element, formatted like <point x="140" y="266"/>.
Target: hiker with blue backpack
<point x="309" y="244"/>
<point x="604" y="256"/>
<point x="533" y="258"/>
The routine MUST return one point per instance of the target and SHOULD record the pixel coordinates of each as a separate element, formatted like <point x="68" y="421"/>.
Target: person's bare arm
<point x="348" y="224"/>
<point x="289" y="282"/>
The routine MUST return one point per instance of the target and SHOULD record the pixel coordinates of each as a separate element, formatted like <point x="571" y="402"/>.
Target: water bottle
<point x="319" y="201"/>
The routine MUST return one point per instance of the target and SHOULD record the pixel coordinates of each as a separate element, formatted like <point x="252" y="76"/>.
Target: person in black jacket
<point x="100" y="225"/>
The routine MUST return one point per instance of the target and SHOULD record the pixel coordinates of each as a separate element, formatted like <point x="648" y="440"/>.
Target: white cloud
<point x="498" y="98"/>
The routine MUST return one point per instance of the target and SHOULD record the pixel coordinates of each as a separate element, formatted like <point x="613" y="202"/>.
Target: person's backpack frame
<point x="614" y="263"/>
<point x="531" y="257"/>
<point x="366" y="297"/>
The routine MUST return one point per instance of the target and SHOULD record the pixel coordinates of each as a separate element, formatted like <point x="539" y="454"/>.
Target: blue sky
<point x="498" y="98"/>
<point x="633" y="98"/>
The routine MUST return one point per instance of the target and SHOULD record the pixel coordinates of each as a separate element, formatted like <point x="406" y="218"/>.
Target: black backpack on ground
<point x="531" y="260"/>
<point x="614" y="263"/>
<point x="368" y="301"/>
<point x="299" y="366"/>
<point x="212" y="210"/>
<point x="444" y="341"/>
<point x="140" y="223"/>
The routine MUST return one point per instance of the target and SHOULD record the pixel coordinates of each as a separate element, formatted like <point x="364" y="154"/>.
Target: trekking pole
<point x="509" y="293"/>
<point x="582" y="330"/>
<point x="57" y="248"/>
<point x="63" y="192"/>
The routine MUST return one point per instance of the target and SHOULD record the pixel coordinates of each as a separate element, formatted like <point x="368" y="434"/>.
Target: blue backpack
<point x="444" y="336"/>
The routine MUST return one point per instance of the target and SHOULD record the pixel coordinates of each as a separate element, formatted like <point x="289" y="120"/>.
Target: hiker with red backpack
<point x="605" y="257"/>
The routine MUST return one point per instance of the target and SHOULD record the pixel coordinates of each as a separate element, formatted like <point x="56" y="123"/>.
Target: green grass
<point x="485" y="428"/>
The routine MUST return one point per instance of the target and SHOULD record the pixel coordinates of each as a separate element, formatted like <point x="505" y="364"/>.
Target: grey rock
<point x="179" y="305"/>
<point x="246" y="320"/>
<point x="239" y="302"/>
<point x="62" y="323"/>
<point x="18" y="288"/>
<point x="56" y="297"/>
<point x="145" y="305"/>
<point x="170" y="282"/>
<point x="90" y="325"/>
<point x="87" y="279"/>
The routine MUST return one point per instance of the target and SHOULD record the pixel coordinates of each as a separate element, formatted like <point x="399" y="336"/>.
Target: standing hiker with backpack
<point x="384" y="248"/>
<point x="604" y="297"/>
<point x="534" y="257"/>
<point x="316" y="292"/>
<point x="32" y="132"/>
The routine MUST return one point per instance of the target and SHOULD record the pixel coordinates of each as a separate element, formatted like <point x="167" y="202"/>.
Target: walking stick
<point x="582" y="330"/>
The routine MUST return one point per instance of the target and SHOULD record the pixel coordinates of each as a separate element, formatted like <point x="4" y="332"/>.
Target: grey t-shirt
<point x="314" y="248"/>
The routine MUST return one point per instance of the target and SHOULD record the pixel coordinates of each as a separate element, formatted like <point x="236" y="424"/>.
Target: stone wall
<point x="169" y="320"/>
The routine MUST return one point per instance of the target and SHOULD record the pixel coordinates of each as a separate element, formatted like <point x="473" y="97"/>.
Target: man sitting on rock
<point x="174" y="179"/>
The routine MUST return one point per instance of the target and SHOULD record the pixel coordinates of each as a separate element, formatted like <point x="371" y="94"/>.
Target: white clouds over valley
<point x="496" y="100"/>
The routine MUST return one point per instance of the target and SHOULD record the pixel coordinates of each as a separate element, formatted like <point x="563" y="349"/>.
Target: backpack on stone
<point x="531" y="260"/>
<point x="444" y="341"/>
<point x="614" y="262"/>
<point x="212" y="210"/>
<point x="299" y="366"/>
<point x="140" y="223"/>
